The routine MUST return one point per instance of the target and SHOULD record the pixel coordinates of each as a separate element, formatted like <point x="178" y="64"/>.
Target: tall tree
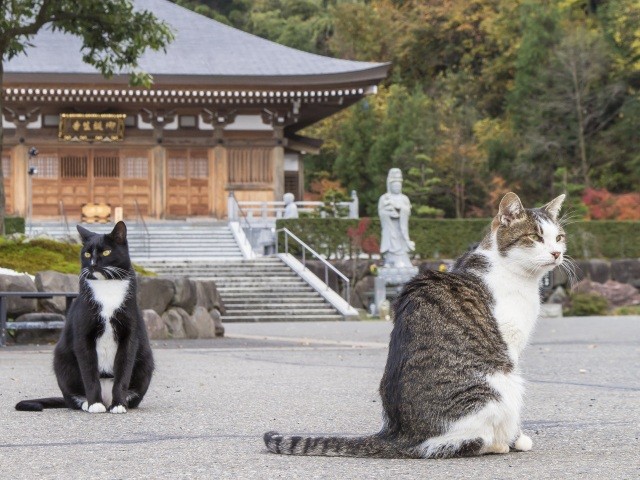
<point x="114" y="37"/>
<point x="573" y="100"/>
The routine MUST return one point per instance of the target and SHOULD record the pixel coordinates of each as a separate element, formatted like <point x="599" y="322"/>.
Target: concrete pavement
<point x="211" y="401"/>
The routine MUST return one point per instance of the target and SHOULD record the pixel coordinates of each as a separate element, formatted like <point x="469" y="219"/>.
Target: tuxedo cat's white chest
<point x="110" y="295"/>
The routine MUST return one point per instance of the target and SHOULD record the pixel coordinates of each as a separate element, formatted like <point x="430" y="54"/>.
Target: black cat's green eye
<point x="87" y="255"/>
<point x="559" y="238"/>
<point x="106" y="253"/>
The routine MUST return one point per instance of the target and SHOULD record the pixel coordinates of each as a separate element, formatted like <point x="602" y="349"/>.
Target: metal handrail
<point x="288" y="233"/>
<point x="242" y="217"/>
<point x="63" y="219"/>
<point x="140" y="219"/>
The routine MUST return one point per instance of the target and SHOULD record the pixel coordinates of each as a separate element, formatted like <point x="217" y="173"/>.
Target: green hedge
<point x="437" y="239"/>
<point x="13" y="225"/>
<point x="604" y="239"/>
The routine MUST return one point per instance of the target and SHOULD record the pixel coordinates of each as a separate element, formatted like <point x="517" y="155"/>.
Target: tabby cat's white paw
<point x="498" y="448"/>
<point x="118" y="409"/>
<point x="523" y="443"/>
<point x="94" y="407"/>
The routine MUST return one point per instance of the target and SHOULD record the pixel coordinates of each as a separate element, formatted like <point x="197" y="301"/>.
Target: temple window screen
<point x="135" y="167"/>
<point x="72" y="166"/>
<point x="106" y="166"/>
<point x="47" y="165"/>
<point x="250" y="165"/>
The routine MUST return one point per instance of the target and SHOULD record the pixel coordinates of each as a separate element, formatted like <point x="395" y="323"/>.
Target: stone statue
<point x="290" y="208"/>
<point x="394" y="209"/>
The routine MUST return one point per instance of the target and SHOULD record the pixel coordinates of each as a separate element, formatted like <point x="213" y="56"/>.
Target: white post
<point x="354" y="206"/>
<point x="231" y="207"/>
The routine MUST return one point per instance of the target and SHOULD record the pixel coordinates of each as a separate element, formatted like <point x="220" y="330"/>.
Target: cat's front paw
<point x="498" y="448"/>
<point x="117" y="409"/>
<point x="523" y="443"/>
<point x="94" y="407"/>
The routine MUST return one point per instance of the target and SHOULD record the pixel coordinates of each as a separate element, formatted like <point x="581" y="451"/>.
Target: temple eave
<point x="369" y="76"/>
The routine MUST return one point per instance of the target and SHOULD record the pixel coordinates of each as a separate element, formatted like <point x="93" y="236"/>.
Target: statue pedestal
<point x="390" y="276"/>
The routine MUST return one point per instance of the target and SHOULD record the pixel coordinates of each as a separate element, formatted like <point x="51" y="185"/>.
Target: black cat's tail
<point x="372" y="446"/>
<point x="39" y="404"/>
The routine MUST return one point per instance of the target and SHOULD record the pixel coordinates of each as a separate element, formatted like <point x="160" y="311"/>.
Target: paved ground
<point x="211" y="401"/>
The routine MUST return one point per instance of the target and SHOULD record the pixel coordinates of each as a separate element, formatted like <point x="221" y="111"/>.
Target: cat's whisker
<point x="572" y="269"/>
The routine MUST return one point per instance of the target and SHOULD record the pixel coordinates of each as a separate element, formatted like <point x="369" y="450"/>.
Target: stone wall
<point x="171" y="307"/>
<point x="626" y="271"/>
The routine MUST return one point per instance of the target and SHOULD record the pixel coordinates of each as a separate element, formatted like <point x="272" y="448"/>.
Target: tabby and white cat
<point x="103" y="360"/>
<point x="451" y="385"/>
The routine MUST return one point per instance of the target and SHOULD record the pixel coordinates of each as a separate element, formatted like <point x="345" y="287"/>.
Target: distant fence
<point x="438" y="239"/>
<point x="275" y="209"/>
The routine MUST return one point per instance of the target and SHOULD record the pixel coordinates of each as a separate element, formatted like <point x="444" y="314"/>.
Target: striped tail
<point x="39" y="404"/>
<point x="372" y="446"/>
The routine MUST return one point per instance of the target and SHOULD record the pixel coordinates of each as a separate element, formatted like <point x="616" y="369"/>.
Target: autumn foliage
<point x="604" y="205"/>
<point x="360" y="240"/>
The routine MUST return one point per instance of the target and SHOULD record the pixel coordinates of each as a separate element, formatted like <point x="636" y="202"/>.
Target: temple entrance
<point x="187" y="182"/>
<point x="69" y="178"/>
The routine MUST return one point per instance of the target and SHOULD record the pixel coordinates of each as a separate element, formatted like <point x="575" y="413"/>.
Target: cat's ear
<point x="510" y="209"/>
<point x="84" y="233"/>
<point x="119" y="233"/>
<point x="554" y="206"/>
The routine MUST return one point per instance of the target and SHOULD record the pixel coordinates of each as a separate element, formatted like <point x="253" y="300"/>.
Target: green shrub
<point x="585" y="304"/>
<point x="39" y="254"/>
<point x="438" y="238"/>
<point x="627" y="310"/>
<point x="13" y="225"/>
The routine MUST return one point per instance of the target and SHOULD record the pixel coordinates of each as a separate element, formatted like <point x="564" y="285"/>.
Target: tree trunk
<point x="584" y="166"/>
<point x="2" y="199"/>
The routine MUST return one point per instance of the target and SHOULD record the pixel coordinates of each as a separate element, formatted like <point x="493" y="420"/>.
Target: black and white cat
<point x="451" y="386"/>
<point x="103" y="360"/>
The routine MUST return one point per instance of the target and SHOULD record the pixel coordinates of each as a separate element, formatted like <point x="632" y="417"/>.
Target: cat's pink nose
<point x="555" y="254"/>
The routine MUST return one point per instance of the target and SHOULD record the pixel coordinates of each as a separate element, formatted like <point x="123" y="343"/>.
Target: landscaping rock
<point x="19" y="283"/>
<point x="40" y="336"/>
<point x="559" y="277"/>
<point x="559" y="295"/>
<point x="190" y="326"/>
<point x="208" y="296"/>
<point x="156" y="328"/>
<point x="362" y="294"/>
<point x="596" y="270"/>
<point x="155" y="293"/>
<point x="186" y="294"/>
<point x="626" y="271"/>
<point x="174" y="320"/>
<point x="217" y="321"/>
<point x="50" y="281"/>
<point x="204" y="323"/>
<point x="617" y="294"/>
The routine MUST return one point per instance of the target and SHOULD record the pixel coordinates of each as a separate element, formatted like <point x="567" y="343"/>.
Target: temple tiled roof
<point x="204" y="51"/>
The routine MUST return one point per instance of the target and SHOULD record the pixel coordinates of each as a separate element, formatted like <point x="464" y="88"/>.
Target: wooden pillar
<point x="300" y="193"/>
<point x="278" y="173"/>
<point x="219" y="181"/>
<point x="20" y="179"/>
<point x="158" y="181"/>
<point x="278" y="164"/>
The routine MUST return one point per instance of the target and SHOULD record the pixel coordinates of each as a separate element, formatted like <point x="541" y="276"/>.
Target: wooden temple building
<point x="223" y="115"/>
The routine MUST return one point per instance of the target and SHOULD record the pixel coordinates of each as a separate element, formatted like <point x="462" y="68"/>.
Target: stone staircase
<point x="167" y="239"/>
<point x="260" y="290"/>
